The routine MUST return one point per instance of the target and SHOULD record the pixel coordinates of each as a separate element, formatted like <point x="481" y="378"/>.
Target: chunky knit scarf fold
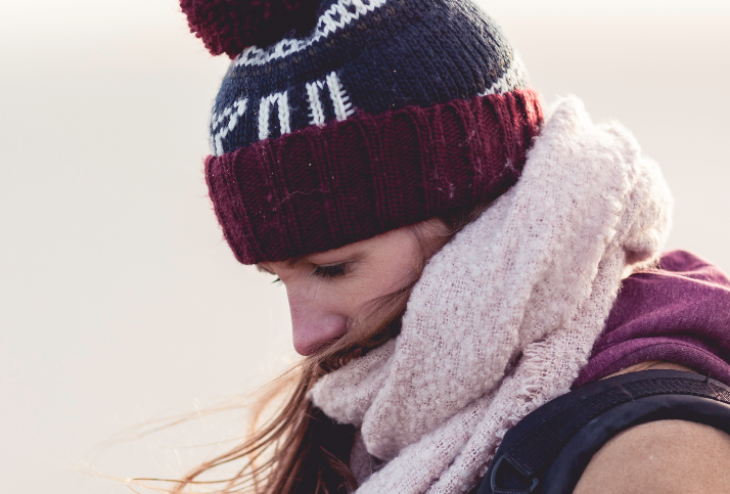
<point x="505" y="315"/>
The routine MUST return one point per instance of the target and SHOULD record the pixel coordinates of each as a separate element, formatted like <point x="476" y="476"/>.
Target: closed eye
<point x="331" y="271"/>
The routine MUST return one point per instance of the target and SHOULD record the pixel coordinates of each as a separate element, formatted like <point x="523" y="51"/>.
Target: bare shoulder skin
<point x="662" y="457"/>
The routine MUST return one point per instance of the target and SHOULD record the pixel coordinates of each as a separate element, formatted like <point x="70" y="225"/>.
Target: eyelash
<point x="332" y="271"/>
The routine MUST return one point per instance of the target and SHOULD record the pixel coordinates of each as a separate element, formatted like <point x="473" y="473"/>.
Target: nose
<point x="313" y="326"/>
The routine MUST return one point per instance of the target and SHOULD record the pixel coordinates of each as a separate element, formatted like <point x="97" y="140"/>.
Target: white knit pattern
<point x="316" y="112"/>
<point x="282" y="102"/>
<point x="505" y="315"/>
<point x="233" y="114"/>
<point x="513" y="78"/>
<point x="340" y="99"/>
<point x="339" y="15"/>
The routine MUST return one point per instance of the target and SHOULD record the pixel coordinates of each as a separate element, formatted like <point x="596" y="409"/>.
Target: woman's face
<point x="327" y="290"/>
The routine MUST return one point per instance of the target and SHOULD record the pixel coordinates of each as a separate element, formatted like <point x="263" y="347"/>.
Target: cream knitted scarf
<point x="505" y="315"/>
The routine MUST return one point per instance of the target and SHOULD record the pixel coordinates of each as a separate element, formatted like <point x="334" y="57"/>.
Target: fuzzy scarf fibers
<point x="506" y="314"/>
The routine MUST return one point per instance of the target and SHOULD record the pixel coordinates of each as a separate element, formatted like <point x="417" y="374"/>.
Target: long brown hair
<point x="299" y="450"/>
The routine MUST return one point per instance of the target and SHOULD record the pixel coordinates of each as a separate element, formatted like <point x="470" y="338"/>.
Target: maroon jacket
<point x="679" y="312"/>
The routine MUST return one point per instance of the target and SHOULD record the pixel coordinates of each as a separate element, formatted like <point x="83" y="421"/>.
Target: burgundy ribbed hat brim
<point x="324" y="187"/>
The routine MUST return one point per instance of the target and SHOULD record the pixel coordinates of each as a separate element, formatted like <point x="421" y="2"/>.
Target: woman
<point x="453" y="260"/>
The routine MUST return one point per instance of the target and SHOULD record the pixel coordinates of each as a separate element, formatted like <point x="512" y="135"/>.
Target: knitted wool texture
<point x="505" y="315"/>
<point x="385" y="114"/>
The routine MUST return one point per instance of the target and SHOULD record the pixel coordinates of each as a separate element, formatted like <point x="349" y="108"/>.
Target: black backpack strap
<point x="547" y="452"/>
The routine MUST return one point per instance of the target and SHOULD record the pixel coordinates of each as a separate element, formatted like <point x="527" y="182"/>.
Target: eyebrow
<point x="295" y="260"/>
<point x="290" y="262"/>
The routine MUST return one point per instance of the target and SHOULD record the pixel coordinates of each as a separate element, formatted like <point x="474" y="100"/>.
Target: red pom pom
<point x="230" y="26"/>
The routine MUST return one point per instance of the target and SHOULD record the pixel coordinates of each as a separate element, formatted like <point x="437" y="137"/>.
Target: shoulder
<point x="588" y="440"/>
<point x="664" y="456"/>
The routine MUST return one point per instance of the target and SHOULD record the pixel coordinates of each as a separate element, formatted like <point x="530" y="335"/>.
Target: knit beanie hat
<point x="339" y="120"/>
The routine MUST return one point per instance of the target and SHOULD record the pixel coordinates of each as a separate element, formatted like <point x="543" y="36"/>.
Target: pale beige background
<point x="119" y="299"/>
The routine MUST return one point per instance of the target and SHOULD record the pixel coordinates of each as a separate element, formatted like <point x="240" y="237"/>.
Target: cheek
<point x="385" y="276"/>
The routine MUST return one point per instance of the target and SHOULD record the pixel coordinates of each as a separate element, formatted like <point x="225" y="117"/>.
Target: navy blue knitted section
<point x="375" y="56"/>
<point x="298" y="108"/>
